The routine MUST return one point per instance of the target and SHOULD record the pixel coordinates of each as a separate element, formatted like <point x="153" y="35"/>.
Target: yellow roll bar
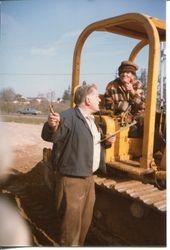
<point x="149" y="31"/>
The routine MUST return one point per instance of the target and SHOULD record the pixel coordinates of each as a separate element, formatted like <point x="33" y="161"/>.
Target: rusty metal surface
<point x="126" y="166"/>
<point x="147" y="193"/>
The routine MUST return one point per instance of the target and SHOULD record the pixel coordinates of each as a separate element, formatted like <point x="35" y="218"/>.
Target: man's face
<point x="94" y="100"/>
<point x="127" y="77"/>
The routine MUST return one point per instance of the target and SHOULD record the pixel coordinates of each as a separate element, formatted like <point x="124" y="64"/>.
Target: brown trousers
<point x="75" y="197"/>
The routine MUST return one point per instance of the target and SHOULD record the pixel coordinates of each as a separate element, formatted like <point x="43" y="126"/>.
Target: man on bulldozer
<point x="125" y="94"/>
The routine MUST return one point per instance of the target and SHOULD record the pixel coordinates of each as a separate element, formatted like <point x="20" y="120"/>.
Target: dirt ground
<point x="25" y="185"/>
<point x="26" y="188"/>
<point x="26" y="143"/>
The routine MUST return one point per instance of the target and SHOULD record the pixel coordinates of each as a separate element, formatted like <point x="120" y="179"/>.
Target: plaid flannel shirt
<point x="115" y="93"/>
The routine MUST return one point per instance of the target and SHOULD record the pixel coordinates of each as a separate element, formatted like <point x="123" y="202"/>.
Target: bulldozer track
<point x="147" y="193"/>
<point x="36" y="203"/>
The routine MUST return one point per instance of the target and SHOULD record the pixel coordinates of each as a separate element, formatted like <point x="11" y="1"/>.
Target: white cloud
<point x="68" y="38"/>
<point x="72" y="34"/>
<point x="43" y="51"/>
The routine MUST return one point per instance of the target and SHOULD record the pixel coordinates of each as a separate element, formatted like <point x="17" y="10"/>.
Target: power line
<point x="51" y="74"/>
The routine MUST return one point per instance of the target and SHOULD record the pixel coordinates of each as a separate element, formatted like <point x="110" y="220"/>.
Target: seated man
<point x="125" y="92"/>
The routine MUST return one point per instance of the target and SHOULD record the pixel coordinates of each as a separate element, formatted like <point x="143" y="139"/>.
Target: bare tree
<point x="7" y="95"/>
<point x="51" y="96"/>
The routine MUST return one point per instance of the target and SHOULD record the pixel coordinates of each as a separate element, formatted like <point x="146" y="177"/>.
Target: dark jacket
<point x="72" y="152"/>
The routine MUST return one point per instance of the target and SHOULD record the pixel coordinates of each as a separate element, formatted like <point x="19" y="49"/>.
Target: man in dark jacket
<point x="76" y="155"/>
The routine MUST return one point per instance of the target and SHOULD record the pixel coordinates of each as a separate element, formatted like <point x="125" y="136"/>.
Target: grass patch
<point x="25" y="119"/>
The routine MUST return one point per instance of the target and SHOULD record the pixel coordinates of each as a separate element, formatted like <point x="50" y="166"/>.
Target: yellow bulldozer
<point x="130" y="208"/>
<point x="149" y="31"/>
<point x="135" y="171"/>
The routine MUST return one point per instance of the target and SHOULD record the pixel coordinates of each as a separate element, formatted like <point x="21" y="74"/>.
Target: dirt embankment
<point x="26" y="189"/>
<point x="25" y="186"/>
<point x="26" y="143"/>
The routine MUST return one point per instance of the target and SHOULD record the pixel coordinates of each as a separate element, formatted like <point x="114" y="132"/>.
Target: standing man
<point x="76" y="154"/>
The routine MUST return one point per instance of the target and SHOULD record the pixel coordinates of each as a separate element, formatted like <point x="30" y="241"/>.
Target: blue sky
<point x="38" y="39"/>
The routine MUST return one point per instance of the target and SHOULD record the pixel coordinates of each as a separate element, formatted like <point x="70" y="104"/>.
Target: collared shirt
<point x="96" y="138"/>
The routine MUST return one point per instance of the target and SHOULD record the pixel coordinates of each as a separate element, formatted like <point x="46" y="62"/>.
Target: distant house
<point x="37" y="99"/>
<point x="21" y="99"/>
